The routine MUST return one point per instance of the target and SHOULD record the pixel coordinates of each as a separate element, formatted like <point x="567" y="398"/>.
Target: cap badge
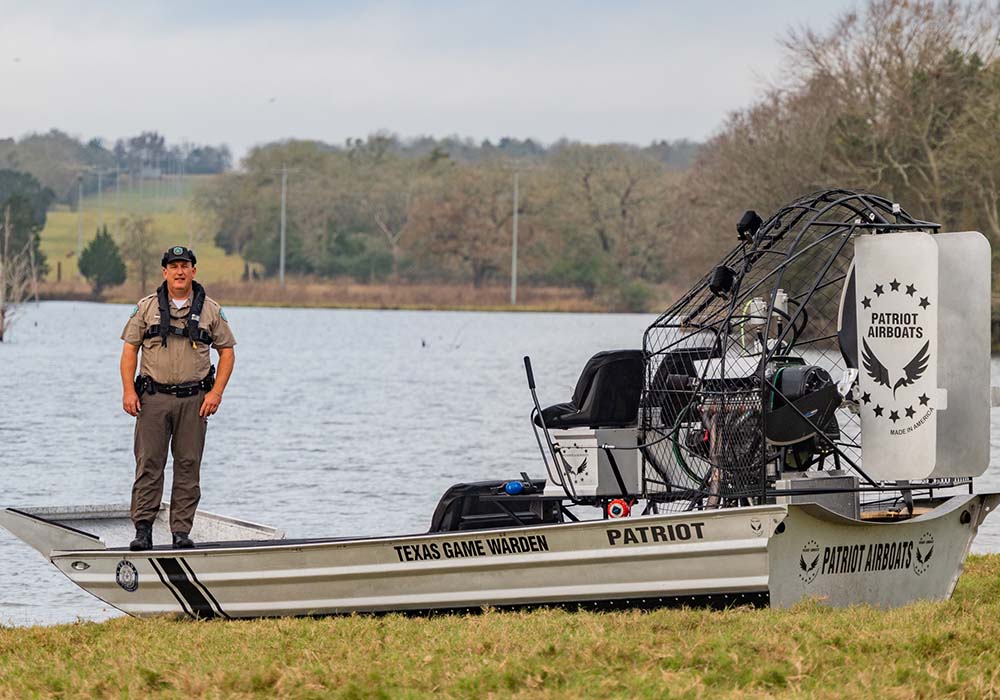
<point x="178" y="250"/>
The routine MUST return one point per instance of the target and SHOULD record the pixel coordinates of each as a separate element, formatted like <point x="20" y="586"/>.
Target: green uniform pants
<point x="167" y="421"/>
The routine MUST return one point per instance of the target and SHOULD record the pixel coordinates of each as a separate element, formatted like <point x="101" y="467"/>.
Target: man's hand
<point x="130" y="402"/>
<point x="210" y="404"/>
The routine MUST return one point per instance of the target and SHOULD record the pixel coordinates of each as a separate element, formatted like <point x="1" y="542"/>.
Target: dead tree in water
<point x="18" y="276"/>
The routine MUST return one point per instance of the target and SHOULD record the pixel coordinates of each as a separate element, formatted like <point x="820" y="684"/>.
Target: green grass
<point x="925" y="650"/>
<point x="175" y="221"/>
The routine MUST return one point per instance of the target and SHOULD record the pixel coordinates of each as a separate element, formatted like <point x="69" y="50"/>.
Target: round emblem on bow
<point x="127" y="576"/>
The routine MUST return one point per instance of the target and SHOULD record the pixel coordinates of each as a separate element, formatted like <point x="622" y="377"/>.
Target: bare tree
<point x="465" y="221"/>
<point x="139" y="248"/>
<point x="900" y="76"/>
<point x="621" y="198"/>
<point x="390" y="206"/>
<point x="18" y="276"/>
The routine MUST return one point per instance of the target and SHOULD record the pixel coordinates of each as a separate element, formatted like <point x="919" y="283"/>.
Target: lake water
<point x="336" y="422"/>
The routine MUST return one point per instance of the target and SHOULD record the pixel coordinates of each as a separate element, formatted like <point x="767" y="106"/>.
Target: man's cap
<point x="178" y="252"/>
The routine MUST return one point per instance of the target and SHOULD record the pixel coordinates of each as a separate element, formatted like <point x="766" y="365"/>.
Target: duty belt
<point x="146" y="385"/>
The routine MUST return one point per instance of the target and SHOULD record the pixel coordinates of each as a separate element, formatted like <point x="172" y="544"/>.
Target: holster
<point x="143" y="385"/>
<point x="209" y="381"/>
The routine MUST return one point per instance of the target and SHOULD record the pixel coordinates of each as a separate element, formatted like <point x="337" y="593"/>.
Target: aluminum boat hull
<point x="777" y="555"/>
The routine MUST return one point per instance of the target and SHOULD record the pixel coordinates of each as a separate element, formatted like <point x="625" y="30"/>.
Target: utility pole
<point x="79" y="222"/>
<point x="118" y="194"/>
<point x="281" y="254"/>
<point x="513" y="251"/>
<point x="100" y="201"/>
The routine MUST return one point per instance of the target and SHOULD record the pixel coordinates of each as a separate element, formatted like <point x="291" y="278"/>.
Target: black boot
<point x="182" y="541"/>
<point x="143" y="537"/>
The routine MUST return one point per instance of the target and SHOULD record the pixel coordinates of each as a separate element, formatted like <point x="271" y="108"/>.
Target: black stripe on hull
<point x="166" y="584"/>
<point x="198" y="603"/>
<point x="203" y="588"/>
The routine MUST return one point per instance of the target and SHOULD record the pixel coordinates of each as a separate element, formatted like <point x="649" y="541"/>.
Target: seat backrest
<point x="607" y="393"/>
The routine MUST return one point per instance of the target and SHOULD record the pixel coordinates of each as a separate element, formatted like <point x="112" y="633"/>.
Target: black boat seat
<point x="606" y="394"/>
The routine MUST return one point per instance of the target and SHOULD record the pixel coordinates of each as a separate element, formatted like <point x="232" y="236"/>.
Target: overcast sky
<point x="245" y="73"/>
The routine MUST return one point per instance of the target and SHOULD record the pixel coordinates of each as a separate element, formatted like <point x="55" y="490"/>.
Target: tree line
<point x="901" y="98"/>
<point x="62" y="163"/>
<point x="379" y="208"/>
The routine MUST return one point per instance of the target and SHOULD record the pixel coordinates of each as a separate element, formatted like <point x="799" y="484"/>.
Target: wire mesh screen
<point x="742" y="373"/>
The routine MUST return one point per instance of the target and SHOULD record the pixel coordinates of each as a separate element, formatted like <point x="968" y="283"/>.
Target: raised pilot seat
<point x="606" y="394"/>
<point x="595" y="434"/>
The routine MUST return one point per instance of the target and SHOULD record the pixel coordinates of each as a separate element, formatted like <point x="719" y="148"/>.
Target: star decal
<point x="878" y="410"/>
<point x="878" y="290"/>
<point x="895" y="285"/>
<point x="924" y="398"/>
<point x="866" y="302"/>
<point x="924" y="303"/>
<point x="894" y="416"/>
<point x="866" y="397"/>
<point x="910" y="290"/>
<point x="910" y="412"/>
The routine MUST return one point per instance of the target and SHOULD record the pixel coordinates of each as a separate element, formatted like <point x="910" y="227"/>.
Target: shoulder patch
<point x="135" y="310"/>
<point x="223" y="314"/>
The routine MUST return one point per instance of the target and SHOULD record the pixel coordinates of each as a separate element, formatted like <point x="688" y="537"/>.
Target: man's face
<point x="179" y="274"/>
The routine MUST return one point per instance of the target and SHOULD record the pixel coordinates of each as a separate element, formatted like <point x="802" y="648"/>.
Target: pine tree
<point x="101" y="262"/>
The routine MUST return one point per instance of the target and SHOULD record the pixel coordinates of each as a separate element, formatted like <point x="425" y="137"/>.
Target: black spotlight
<point x="720" y="281"/>
<point x="748" y="225"/>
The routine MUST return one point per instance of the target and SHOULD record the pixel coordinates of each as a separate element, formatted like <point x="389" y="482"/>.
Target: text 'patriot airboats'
<point x="805" y="422"/>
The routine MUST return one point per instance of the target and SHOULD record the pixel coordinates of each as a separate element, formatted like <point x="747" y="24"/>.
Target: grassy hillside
<point x="925" y="650"/>
<point x="168" y="202"/>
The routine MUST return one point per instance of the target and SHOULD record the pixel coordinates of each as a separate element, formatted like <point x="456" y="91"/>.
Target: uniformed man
<point x="175" y="393"/>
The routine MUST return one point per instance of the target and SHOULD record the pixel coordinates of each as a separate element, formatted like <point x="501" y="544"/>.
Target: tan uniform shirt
<point x="178" y="362"/>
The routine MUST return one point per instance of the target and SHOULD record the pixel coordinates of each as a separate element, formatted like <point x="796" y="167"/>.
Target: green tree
<point x="28" y="202"/>
<point x="101" y="262"/>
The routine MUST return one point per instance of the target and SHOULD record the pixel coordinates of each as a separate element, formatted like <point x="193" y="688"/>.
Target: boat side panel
<point x="846" y="562"/>
<point x="45" y="536"/>
<point x="645" y="560"/>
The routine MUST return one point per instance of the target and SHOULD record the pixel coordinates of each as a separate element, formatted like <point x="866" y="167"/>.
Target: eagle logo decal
<point x="879" y="373"/>
<point x="809" y="562"/>
<point x="923" y="553"/>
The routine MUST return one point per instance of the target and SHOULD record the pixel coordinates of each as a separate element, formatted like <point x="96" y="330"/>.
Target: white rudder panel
<point x="923" y="310"/>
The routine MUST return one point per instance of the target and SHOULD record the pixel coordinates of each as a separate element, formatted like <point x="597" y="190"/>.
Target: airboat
<point x="805" y="423"/>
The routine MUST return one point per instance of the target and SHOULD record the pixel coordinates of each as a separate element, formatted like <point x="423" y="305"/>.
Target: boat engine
<point x="828" y="328"/>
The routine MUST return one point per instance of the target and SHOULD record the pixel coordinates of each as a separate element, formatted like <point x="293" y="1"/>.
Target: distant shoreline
<point x="304" y="293"/>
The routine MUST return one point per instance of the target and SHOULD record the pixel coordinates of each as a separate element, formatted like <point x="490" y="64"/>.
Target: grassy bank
<point x="175" y="220"/>
<point x="926" y="650"/>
